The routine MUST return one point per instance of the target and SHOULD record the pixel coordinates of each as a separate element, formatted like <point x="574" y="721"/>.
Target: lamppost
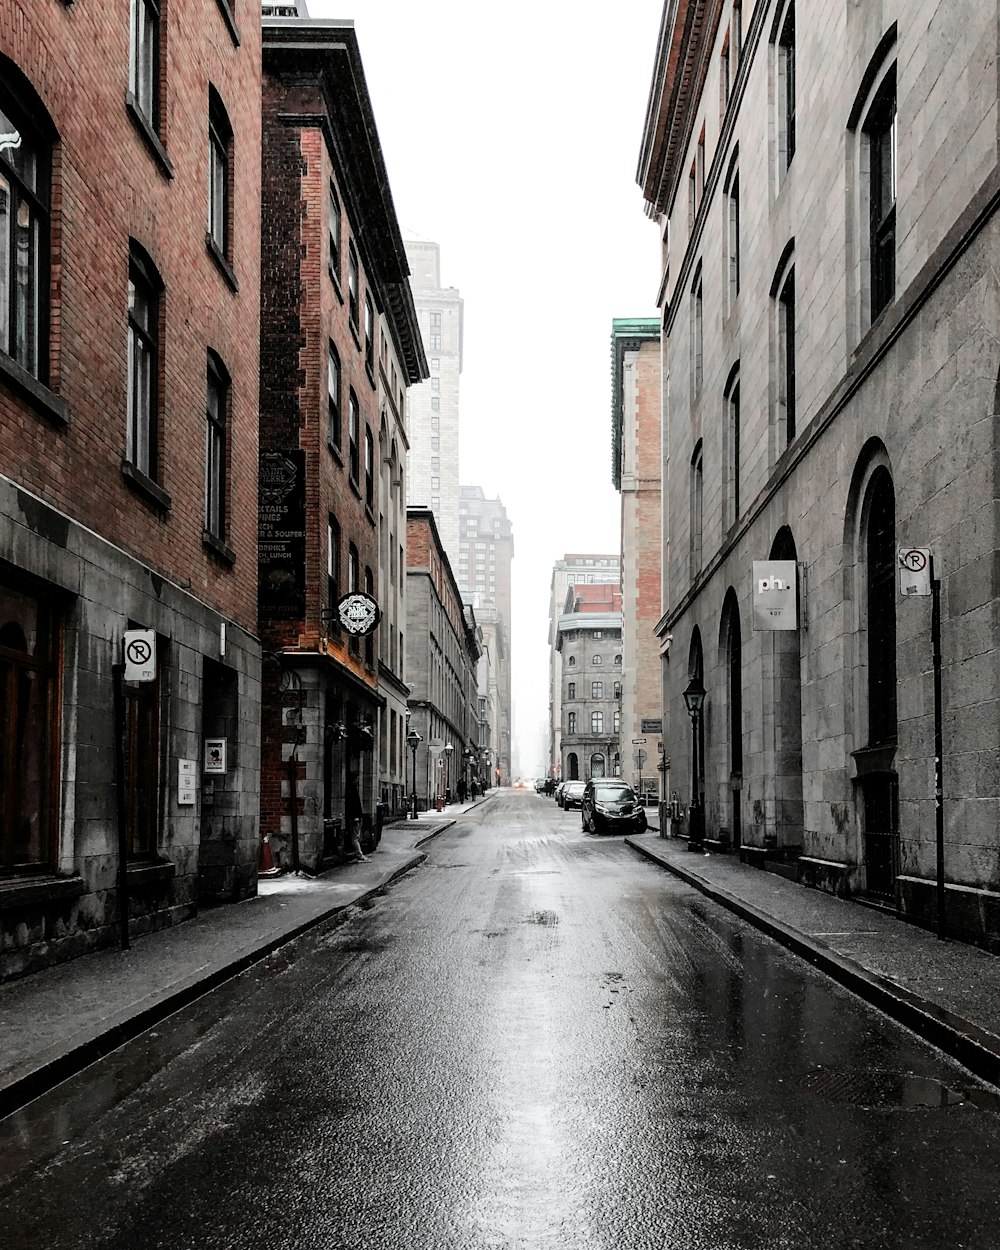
<point x="694" y="700"/>
<point x="414" y="740"/>
<point x="448" y="748"/>
<point x="486" y="770"/>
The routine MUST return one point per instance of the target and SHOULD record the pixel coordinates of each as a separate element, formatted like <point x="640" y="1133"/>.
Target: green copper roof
<point x="627" y="334"/>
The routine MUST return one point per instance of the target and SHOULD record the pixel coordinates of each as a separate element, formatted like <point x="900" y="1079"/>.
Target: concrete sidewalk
<point x="55" y="1022"/>
<point x="947" y="992"/>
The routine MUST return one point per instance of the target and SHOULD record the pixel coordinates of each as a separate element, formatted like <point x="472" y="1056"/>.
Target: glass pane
<point x="18" y="152"/>
<point x="26" y="280"/>
<point x="23" y="775"/>
<point x="217" y="191"/>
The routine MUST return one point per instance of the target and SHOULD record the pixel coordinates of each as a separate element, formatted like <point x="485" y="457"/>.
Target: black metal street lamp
<point x="414" y="740"/>
<point x="694" y="701"/>
<point x="448" y="748"/>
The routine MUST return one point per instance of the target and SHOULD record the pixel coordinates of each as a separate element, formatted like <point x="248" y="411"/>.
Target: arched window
<point x="142" y="435"/>
<point x="880" y="594"/>
<point x="731" y="400"/>
<point x="220" y="151"/>
<point x="216" y="448"/>
<point x="597" y="659"/>
<point x="697" y="495"/>
<point x="26" y="140"/>
<point x="618" y="659"/>
<point x="597" y="764"/>
<point x="571" y="660"/>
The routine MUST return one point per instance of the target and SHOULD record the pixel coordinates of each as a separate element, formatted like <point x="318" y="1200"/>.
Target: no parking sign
<point x="140" y="655"/>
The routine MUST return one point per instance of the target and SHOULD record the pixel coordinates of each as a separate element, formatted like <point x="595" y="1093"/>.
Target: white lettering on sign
<point x="775" y="594"/>
<point x="771" y="583"/>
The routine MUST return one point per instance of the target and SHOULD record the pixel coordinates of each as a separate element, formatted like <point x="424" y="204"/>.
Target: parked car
<point x="558" y="792"/>
<point x="539" y="785"/>
<point x="609" y="806"/>
<point x="572" y="794"/>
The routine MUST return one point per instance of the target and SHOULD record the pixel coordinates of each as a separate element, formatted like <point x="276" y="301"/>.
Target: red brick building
<point x="129" y="357"/>
<point x="339" y="347"/>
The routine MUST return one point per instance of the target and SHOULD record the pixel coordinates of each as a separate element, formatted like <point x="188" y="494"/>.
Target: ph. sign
<point x="775" y="594"/>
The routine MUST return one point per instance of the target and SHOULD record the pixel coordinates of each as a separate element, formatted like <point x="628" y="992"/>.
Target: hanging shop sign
<point x="775" y="594"/>
<point x="358" y="613"/>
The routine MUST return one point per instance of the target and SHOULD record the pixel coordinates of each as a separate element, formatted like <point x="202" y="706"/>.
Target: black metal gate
<point x="881" y="795"/>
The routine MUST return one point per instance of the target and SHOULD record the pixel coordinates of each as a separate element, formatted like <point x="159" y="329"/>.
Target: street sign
<point x="187" y="783"/>
<point x="914" y="571"/>
<point x="140" y="655"/>
<point x="652" y="725"/>
<point x="638" y="742"/>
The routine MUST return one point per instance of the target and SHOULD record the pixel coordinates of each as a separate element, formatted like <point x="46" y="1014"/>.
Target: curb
<point x="33" y="1084"/>
<point x="973" y="1047"/>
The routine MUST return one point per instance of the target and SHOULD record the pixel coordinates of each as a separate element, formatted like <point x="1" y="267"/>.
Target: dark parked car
<point x="609" y="806"/>
<point x="558" y="792"/>
<point x="572" y="794"/>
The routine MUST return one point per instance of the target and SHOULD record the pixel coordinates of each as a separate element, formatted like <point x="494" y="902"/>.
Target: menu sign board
<point x="281" y="523"/>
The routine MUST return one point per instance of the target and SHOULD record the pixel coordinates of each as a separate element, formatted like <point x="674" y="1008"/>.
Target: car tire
<point x="642" y="822"/>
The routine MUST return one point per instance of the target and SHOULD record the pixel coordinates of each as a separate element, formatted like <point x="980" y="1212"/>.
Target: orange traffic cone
<point x="266" y="866"/>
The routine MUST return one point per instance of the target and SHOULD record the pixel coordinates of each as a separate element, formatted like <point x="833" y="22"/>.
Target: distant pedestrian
<point x="461" y="790"/>
<point x="354" y="814"/>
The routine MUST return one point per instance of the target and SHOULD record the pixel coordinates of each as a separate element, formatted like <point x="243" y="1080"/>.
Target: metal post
<point x="118" y="703"/>
<point x="938" y="747"/>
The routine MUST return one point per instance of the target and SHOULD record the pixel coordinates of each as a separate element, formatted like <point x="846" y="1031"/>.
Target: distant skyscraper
<point x="486" y="549"/>
<point x="432" y="481"/>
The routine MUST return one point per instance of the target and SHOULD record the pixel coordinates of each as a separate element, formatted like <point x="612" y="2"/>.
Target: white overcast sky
<point x="511" y="136"/>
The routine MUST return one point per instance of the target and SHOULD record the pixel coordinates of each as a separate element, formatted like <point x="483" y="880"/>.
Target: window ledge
<point x="149" y="135"/>
<point x="30" y="891"/>
<point x="223" y="265"/>
<point x="218" y="548"/>
<point x="335" y="452"/>
<point x="36" y="393"/>
<point x="354" y="486"/>
<point x="370" y="370"/>
<point x="369" y="514"/>
<point x="150" y="872"/>
<point x="227" y="14"/>
<point x="356" y="334"/>
<point x="145" y="486"/>
<point x="336" y="282"/>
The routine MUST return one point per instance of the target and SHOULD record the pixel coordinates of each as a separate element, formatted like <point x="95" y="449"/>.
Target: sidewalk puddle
<point x="880" y="1089"/>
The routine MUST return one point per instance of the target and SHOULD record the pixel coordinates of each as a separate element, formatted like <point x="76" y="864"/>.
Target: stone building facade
<point x="826" y="182"/>
<point x="441" y="664"/>
<point x="589" y="648"/>
<point x="635" y="472"/>
<point x="434" y="405"/>
<point x="572" y="570"/>
<point x="486" y="553"/>
<point x="128" y="447"/>
<point x="339" y="347"/>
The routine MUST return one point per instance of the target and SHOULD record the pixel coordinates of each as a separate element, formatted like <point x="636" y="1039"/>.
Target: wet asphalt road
<point x="537" y="1040"/>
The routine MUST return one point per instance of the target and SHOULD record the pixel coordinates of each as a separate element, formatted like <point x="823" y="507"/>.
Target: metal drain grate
<point x="879" y="1089"/>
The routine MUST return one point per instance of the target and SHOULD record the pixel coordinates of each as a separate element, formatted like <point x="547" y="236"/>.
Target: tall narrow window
<point x="597" y="722"/>
<point x="369" y="638"/>
<point x="697" y="312"/>
<point x="369" y="334"/>
<point x="571" y="722"/>
<point x="220" y="142"/>
<point x="880" y="128"/>
<point x="217" y="402"/>
<point x="880" y="558"/>
<point x="733" y="440"/>
<point x="353" y="437"/>
<point x="333" y="430"/>
<point x="786" y="353"/>
<point x="332" y="563"/>
<point x="144" y="60"/>
<point x="143" y="364"/>
<point x="733" y="236"/>
<point x="333" y="224"/>
<point x="616" y="722"/>
<point x="597" y="689"/>
<point x="786" y="89"/>
<point x="25" y="159"/>
<point x="699" y="162"/>
<point x="369" y="470"/>
<point x="697" y="493"/>
<point x="692" y="199"/>
<point x="737" y="34"/>
<point x="571" y="690"/>
<point x="352" y="285"/>
<point x="724" y="72"/>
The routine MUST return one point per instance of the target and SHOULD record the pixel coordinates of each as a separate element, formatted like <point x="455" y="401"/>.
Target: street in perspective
<point x="536" y="1038"/>
<point x="499" y="617"/>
